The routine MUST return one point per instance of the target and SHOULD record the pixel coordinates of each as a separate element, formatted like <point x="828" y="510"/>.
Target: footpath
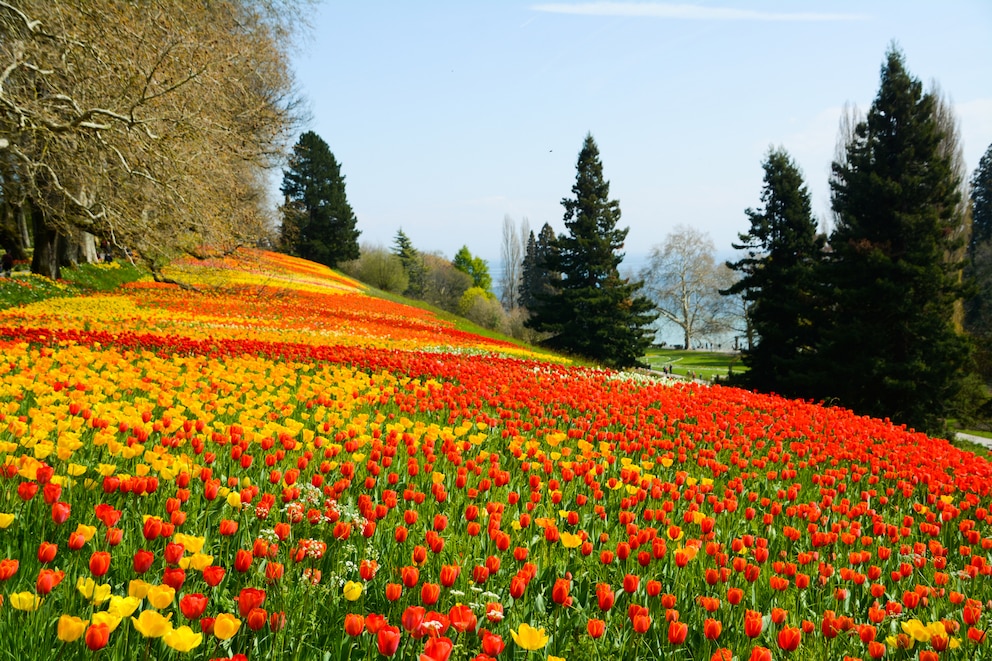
<point x="981" y="440"/>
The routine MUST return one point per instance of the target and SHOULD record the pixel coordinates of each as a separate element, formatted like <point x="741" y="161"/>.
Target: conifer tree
<point x="413" y="263"/>
<point x="535" y="279"/>
<point x="778" y="283"/>
<point x="978" y="308"/>
<point x="316" y="216"/>
<point x="891" y="348"/>
<point x="595" y="313"/>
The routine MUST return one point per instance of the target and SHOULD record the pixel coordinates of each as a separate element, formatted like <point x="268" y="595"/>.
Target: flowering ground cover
<point x="280" y="466"/>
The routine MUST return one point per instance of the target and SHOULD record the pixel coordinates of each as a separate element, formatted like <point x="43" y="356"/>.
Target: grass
<point x="704" y="364"/>
<point x="22" y="287"/>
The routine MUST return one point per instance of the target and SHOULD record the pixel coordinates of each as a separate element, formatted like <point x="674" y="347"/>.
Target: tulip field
<point x="278" y="465"/>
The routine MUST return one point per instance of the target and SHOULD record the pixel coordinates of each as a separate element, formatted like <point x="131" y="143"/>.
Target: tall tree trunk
<point x="46" y="246"/>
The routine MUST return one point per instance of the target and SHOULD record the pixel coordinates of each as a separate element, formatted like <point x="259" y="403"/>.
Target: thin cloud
<point x="686" y="12"/>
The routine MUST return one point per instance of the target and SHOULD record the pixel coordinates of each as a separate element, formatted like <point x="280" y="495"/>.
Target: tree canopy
<point x="476" y="267"/>
<point x="318" y="222"/>
<point x="779" y="281"/>
<point x="890" y="348"/>
<point x="592" y="311"/>
<point x="148" y="125"/>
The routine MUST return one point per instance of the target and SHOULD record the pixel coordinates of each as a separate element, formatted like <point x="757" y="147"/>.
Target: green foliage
<point x="594" y="313"/>
<point x="317" y="222"/>
<point x="779" y="281"/>
<point x="379" y="268"/>
<point x="890" y="348"/>
<point x="476" y="267"/>
<point x="481" y="307"/>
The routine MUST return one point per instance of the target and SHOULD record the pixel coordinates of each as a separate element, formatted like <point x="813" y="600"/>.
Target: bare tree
<point x="684" y="280"/>
<point x="512" y="256"/>
<point x="144" y="123"/>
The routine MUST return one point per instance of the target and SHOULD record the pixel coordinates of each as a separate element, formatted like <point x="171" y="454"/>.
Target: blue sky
<point x="447" y="116"/>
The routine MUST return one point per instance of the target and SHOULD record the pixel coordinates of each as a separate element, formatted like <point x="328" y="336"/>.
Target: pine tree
<point x="535" y="279"/>
<point x="413" y="264"/>
<point x="978" y="308"/>
<point x="594" y="313"/>
<point x="316" y="216"/>
<point x="891" y="349"/>
<point x="779" y="280"/>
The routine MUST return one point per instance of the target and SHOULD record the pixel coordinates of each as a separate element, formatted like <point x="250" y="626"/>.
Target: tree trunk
<point x="46" y="246"/>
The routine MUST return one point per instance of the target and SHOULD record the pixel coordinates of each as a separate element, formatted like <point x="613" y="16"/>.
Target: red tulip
<point x="353" y="624"/>
<point x="789" y="638"/>
<point x="752" y="624"/>
<point x="8" y="568"/>
<point x="677" y="632"/>
<point x="99" y="563"/>
<point x="761" y="654"/>
<point x="249" y="599"/>
<point x="413" y="618"/>
<point x="48" y="579"/>
<point x="97" y="636"/>
<point x="437" y="649"/>
<point x="242" y="561"/>
<point x="388" y="640"/>
<point x="213" y="575"/>
<point x="430" y="593"/>
<point x="712" y="629"/>
<point x="257" y="618"/>
<point x="492" y="644"/>
<point x="596" y="628"/>
<point x="174" y="577"/>
<point x="393" y="591"/>
<point x="47" y="552"/>
<point x="410" y="576"/>
<point x="61" y="512"/>
<point x="462" y="618"/>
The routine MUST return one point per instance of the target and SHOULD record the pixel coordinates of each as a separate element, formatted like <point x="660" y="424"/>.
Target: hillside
<point x="280" y="465"/>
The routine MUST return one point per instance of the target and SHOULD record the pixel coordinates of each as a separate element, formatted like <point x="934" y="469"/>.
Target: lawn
<point x="704" y="364"/>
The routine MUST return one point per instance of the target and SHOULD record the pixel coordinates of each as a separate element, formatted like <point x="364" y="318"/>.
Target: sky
<point x="448" y="116"/>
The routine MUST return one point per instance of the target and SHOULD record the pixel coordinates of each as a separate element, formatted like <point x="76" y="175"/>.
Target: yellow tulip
<point x="234" y="500"/>
<point x="25" y="601"/>
<point x="529" y="638"/>
<point x="570" y="541"/>
<point x="103" y="617"/>
<point x="86" y="531"/>
<point x="138" y="588"/>
<point x="917" y="630"/>
<point x="189" y="542"/>
<point x="226" y="625"/>
<point x="182" y="639"/>
<point x="197" y="561"/>
<point x="93" y="591"/>
<point x="70" y="628"/>
<point x="160" y="596"/>
<point x="123" y="606"/>
<point x="6" y="520"/>
<point x="352" y="590"/>
<point x="152" y="624"/>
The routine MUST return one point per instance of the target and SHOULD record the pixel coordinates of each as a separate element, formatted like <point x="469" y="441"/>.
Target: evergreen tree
<point x="891" y="348"/>
<point x="316" y="216"/>
<point x="595" y="313"/>
<point x="413" y="264"/>
<point x="476" y="267"/>
<point x="778" y="283"/>
<point x="535" y="279"/>
<point x="978" y="308"/>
